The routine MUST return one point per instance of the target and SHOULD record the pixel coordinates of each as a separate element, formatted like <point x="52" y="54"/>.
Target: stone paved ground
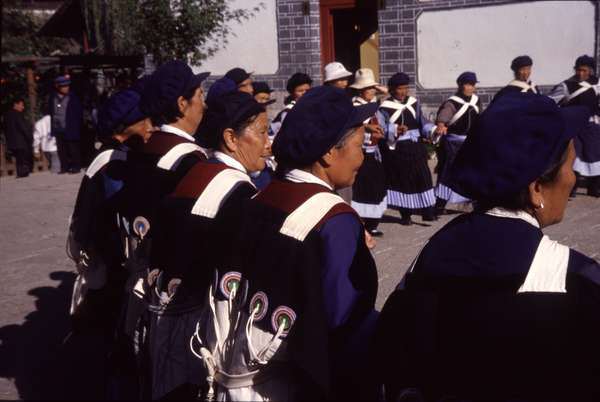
<point x="36" y="276"/>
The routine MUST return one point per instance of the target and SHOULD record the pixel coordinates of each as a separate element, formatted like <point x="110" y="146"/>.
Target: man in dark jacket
<point x="67" y="115"/>
<point x="19" y="137"/>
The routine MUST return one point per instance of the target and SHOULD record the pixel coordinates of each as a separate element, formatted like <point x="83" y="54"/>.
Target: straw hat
<point x="364" y="78"/>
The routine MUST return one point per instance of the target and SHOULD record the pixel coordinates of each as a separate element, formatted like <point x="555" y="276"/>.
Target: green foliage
<point x="166" y="29"/>
<point x="18" y="33"/>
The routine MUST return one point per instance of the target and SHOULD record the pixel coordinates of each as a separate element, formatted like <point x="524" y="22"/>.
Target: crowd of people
<point x="225" y="256"/>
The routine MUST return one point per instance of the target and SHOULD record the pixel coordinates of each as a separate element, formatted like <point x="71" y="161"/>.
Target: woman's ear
<point x="328" y="158"/>
<point x="230" y="140"/>
<point x="536" y="198"/>
<point x="182" y="103"/>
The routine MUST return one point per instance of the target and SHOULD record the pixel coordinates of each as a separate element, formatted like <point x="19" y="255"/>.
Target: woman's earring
<point x="541" y="205"/>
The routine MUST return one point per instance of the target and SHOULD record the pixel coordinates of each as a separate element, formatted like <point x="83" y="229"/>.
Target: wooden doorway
<point x="349" y="33"/>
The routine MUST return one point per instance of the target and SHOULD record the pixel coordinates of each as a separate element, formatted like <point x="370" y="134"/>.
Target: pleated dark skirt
<point x="587" y="147"/>
<point x="370" y="186"/>
<point x="369" y="189"/>
<point x="448" y="150"/>
<point x="408" y="176"/>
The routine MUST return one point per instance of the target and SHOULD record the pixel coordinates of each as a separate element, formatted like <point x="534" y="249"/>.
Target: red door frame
<point x="327" y="39"/>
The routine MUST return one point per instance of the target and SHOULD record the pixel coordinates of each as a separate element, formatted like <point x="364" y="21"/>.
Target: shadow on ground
<point x="44" y="361"/>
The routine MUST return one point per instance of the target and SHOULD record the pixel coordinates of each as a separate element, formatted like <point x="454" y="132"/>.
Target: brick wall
<point x="398" y="48"/>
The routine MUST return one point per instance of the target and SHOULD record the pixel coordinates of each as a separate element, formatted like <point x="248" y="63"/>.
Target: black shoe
<point x="593" y="193"/>
<point x="406" y="221"/>
<point x="429" y="214"/>
<point x="376" y="233"/>
<point x="63" y="172"/>
<point x="74" y="171"/>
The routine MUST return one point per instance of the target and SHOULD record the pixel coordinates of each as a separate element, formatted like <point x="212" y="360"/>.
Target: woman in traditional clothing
<point x="410" y="187"/>
<point x="297" y="85"/>
<point x="521" y="67"/>
<point x="456" y="119"/>
<point x="492" y="309"/>
<point x="369" y="189"/>
<point x="583" y="89"/>
<point x="308" y="282"/>
<point x="195" y="226"/>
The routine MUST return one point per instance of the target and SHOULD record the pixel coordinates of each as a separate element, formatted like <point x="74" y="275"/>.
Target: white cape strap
<point x="548" y="270"/>
<point x="463" y="109"/>
<point x="399" y="108"/>
<point x="302" y="220"/>
<point x="357" y="101"/>
<point x="103" y="158"/>
<point x="523" y="85"/>
<point x="171" y="159"/>
<point x="584" y="87"/>
<point x="219" y="188"/>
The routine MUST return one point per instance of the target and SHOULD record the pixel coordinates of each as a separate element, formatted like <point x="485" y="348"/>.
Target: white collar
<point x="301" y="176"/>
<point x="167" y="128"/>
<point x="229" y="161"/>
<point x="504" y="213"/>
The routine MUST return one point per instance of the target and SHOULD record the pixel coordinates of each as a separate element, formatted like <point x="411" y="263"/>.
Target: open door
<point x="349" y="34"/>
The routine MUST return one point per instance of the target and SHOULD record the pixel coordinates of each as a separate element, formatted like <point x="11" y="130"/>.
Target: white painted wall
<point x="486" y="39"/>
<point x="252" y="44"/>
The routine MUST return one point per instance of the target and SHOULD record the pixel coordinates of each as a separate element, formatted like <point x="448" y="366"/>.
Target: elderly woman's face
<point x="300" y="90"/>
<point x="583" y="73"/>
<point x="400" y="92"/>
<point x="345" y="161"/>
<point x="523" y="73"/>
<point x="555" y="195"/>
<point x="253" y="145"/>
<point x="368" y="94"/>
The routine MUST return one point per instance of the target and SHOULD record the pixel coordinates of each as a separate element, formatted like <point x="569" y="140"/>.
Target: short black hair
<point x="520" y="200"/>
<point x="18" y="99"/>
<point x="171" y="112"/>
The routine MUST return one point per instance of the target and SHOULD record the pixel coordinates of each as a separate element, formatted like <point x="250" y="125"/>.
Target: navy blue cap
<point x="238" y="75"/>
<point x="119" y="112"/>
<point x="261" y="87"/>
<point x="316" y="123"/>
<point x="170" y="81"/>
<point x="296" y="80"/>
<point x="227" y="110"/>
<point x="62" y="81"/>
<point x="517" y="139"/>
<point x="585" y="60"/>
<point x="398" y="79"/>
<point x="468" y="77"/>
<point x="520" y="61"/>
<point x="220" y="87"/>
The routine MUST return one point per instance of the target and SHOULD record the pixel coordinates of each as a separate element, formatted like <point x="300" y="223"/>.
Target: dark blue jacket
<point x="74" y="116"/>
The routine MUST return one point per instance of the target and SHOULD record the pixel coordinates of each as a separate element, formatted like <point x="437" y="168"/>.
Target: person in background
<point x="456" y="119"/>
<point x="369" y="189"/>
<point x="410" y="187"/>
<point x="18" y="137"/>
<point x="296" y="85"/>
<point x="492" y="309"/>
<point x="66" y="113"/>
<point x="44" y="143"/>
<point x="336" y="75"/>
<point x="583" y="89"/>
<point x="521" y="67"/>
<point x="262" y="92"/>
<point x="242" y="79"/>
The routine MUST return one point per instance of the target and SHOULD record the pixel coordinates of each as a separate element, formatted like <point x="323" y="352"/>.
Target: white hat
<point x="364" y="78"/>
<point x="335" y="71"/>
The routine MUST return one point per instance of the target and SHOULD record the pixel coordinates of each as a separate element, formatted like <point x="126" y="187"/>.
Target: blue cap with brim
<point x="316" y="123"/>
<point x="119" y="112"/>
<point x="170" y="81"/>
<point x="62" y="81"/>
<point x="518" y="138"/>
